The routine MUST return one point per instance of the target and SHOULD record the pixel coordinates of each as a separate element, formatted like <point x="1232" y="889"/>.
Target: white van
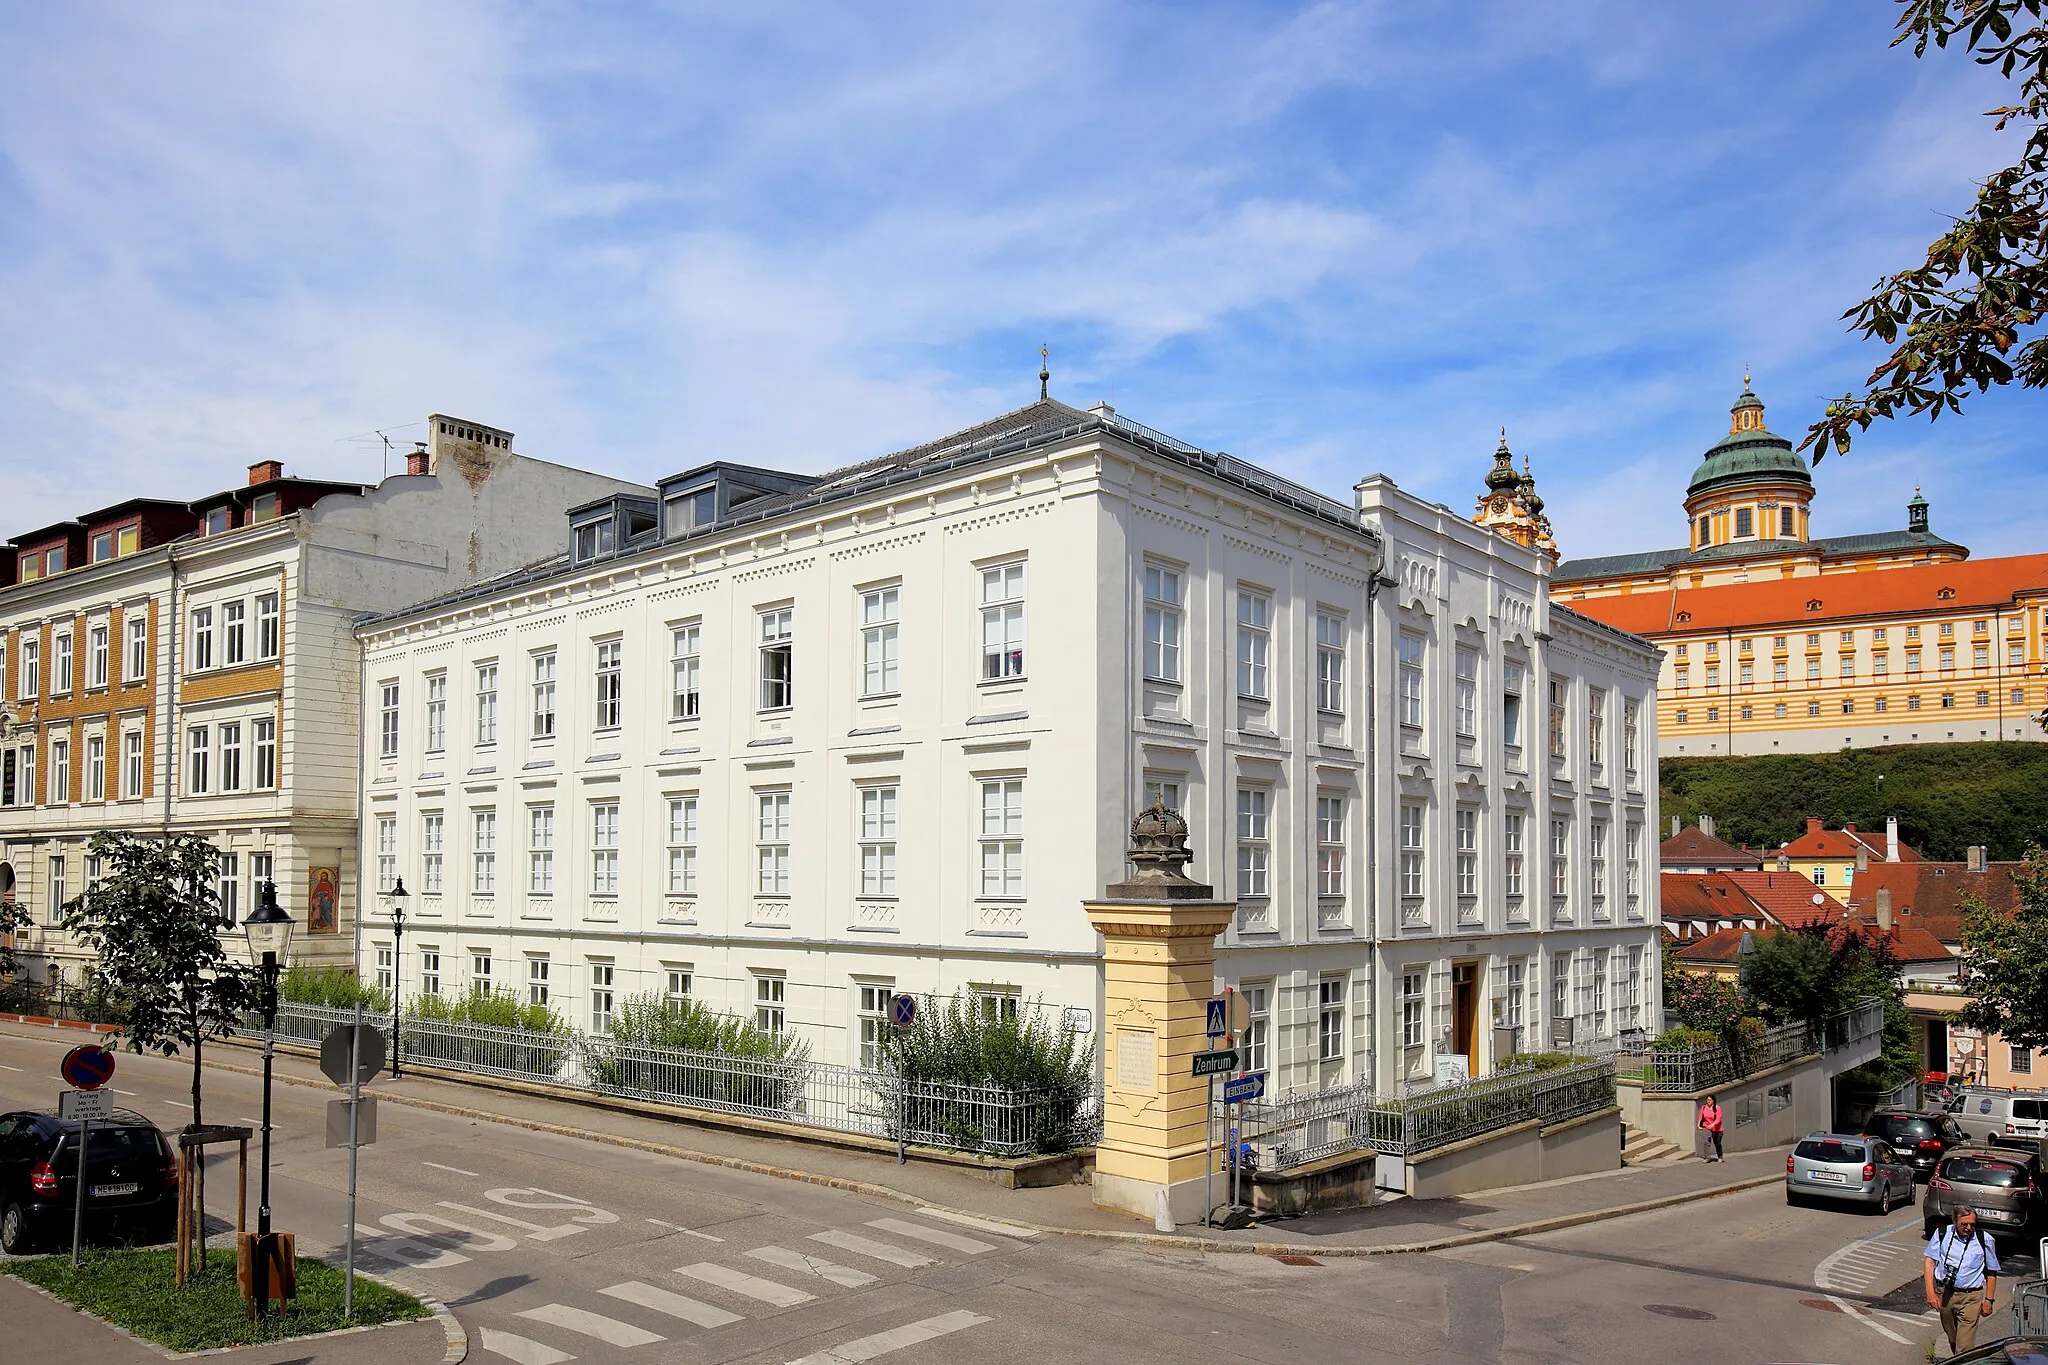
<point x="2018" y="1117"/>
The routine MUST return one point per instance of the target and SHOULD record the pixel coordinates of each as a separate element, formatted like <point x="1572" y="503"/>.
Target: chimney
<point x="1784" y="862"/>
<point x="1975" y="856"/>
<point x="1707" y="825"/>
<point x="1862" y="858"/>
<point x="1813" y="824"/>
<point x="1884" y="907"/>
<point x="1675" y="827"/>
<point x="416" y="460"/>
<point x="265" y="471"/>
<point x="1891" y="839"/>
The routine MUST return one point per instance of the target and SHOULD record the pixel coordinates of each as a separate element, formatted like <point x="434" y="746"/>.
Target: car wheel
<point x="15" y="1238"/>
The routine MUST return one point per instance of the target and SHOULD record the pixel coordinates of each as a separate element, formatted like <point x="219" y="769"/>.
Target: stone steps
<point x="1643" y="1148"/>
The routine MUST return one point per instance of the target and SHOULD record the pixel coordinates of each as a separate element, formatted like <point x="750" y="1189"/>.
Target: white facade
<point x="887" y="733"/>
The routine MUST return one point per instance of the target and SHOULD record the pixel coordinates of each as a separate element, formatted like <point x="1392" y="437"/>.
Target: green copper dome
<point x="1749" y="452"/>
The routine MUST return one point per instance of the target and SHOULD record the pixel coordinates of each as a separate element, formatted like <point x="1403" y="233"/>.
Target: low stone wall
<point x="1777" y="1106"/>
<point x="1520" y="1154"/>
<point x="1338" y="1182"/>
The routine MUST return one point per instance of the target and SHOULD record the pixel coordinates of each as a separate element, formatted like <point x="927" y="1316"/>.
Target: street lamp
<point x="398" y="896"/>
<point x="270" y="938"/>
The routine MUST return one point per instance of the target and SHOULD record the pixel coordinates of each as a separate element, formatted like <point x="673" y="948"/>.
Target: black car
<point x="1918" y="1138"/>
<point x="131" y="1180"/>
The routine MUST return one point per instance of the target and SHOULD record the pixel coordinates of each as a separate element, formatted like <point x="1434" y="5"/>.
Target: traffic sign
<point x="1240" y="1011"/>
<point x="1214" y="1024"/>
<point x="334" y="1054"/>
<point x="1215" y="1063"/>
<point x="1241" y="1088"/>
<point x="903" y="1011"/>
<point x="366" y="1122"/>
<point x="92" y="1106"/>
<point x="87" y="1067"/>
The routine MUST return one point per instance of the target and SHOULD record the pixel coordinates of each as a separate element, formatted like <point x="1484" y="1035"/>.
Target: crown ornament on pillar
<point x="1159" y="853"/>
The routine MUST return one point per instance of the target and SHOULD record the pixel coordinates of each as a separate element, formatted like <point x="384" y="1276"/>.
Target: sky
<point x="1329" y="238"/>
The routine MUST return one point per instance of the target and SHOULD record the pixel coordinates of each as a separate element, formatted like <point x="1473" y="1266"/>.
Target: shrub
<point x="705" y="1058"/>
<point x="1680" y="1035"/>
<point x="1539" y="1061"/>
<point x="334" y="988"/>
<point x="537" y="1055"/>
<point x="958" y="1043"/>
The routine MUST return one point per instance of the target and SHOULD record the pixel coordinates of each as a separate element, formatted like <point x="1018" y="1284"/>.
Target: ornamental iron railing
<point x="1688" y="1070"/>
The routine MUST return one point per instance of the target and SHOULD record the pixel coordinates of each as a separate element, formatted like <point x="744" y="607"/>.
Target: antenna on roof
<point x="1044" y="373"/>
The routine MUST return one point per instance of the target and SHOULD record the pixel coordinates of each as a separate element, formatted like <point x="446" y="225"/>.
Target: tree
<point x="1697" y="1000"/>
<point x="2004" y="967"/>
<point x="1793" y="977"/>
<point x="153" y="923"/>
<point x="12" y="921"/>
<point x="1953" y="323"/>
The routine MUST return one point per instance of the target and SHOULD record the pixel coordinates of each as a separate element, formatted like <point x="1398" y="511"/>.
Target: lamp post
<point x="270" y="938"/>
<point x="397" y="896"/>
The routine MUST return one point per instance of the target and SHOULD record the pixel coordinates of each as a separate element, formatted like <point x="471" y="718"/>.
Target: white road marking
<point x="608" y="1330"/>
<point x="5" y="1067"/>
<point x="880" y="1344"/>
<point x="1850" y="1269"/>
<point x="119" y="1091"/>
<point x="452" y="1170"/>
<point x="868" y="1246"/>
<point x="678" y="1227"/>
<point x="740" y="1282"/>
<point x="180" y="1103"/>
<point x="522" y="1350"/>
<point x="968" y="1220"/>
<point x="949" y="1240"/>
<point x="844" y="1275"/>
<point x="675" y="1305"/>
<point x="534" y="1231"/>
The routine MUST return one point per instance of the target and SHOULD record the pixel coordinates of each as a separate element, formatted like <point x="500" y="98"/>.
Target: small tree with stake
<point x="153" y="922"/>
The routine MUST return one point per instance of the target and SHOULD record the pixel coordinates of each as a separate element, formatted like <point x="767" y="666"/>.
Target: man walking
<point x="1961" y="1278"/>
<point x="1710" y="1123"/>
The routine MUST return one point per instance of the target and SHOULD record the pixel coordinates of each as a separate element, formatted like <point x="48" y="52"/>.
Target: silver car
<point x="1850" y="1167"/>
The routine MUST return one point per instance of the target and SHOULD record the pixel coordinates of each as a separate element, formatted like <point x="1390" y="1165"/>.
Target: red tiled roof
<point x="1843" y="843"/>
<point x="1908" y="944"/>
<point x="1718" y="948"/>
<point x="1930" y="895"/>
<point x="1789" y="898"/>
<point x="1693" y="847"/>
<point x="1910" y="590"/>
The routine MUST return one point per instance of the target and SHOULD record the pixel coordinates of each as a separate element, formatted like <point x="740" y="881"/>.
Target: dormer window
<point x="593" y="540"/>
<point x="263" y="507"/>
<point x="217" y="521"/>
<point x="53" y="560"/>
<point x="690" y="511"/>
<point x="102" y="547"/>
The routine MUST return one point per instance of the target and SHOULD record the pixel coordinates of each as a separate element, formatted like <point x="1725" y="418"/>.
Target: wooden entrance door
<point x="1465" y="1013"/>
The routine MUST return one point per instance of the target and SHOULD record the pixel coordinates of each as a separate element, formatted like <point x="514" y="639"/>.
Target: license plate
<point x="115" y="1191"/>
<point x="1997" y="1215"/>
<point x="1836" y="1176"/>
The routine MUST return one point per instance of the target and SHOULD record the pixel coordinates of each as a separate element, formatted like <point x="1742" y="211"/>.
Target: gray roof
<point x="1828" y="547"/>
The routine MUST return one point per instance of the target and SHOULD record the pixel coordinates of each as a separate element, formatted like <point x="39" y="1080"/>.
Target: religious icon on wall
<point x="323" y="900"/>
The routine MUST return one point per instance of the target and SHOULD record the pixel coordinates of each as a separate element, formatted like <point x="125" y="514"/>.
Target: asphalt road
<point x="552" y="1249"/>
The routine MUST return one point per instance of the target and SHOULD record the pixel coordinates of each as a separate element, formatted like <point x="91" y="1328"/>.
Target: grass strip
<point x="132" y="1288"/>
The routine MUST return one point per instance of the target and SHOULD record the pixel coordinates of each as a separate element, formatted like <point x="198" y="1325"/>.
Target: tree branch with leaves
<point x="2004" y="967"/>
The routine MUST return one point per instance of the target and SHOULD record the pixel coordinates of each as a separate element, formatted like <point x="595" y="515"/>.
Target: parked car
<point x="1918" y="1137"/>
<point x="1849" y="1167"/>
<point x="131" y="1179"/>
<point x="1988" y="1115"/>
<point x="2002" y="1183"/>
<point x="2010" y="1351"/>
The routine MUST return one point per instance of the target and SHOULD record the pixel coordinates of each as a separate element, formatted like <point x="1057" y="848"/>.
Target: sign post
<point x="902" y="1013"/>
<point x="1213" y="1015"/>
<point x="349" y="1055"/>
<point x="86" y="1068"/>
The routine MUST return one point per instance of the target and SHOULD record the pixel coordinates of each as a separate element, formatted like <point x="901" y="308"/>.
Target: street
<point x="551" y="1249"/>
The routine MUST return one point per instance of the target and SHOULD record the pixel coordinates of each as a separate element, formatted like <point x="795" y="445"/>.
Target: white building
<point x="790" y="744"/>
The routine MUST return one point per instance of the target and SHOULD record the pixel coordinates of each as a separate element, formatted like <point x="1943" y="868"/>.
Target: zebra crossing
<point x="744" y="1293"/>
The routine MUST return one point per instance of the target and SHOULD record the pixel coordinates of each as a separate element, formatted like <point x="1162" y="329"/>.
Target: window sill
<point x="1175" y="683"/>
<point x="604" y="731"/>
<point x="775" y="712"/>
<point x="879" y="698"/>
<point x="996" y="684"/>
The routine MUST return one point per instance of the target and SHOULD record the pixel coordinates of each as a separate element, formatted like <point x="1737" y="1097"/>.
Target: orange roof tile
<point x="1842" y="843"/>
<point x="1931" y="894"/>
<point x="1788" y="898"/>
<point x="1720" y="947"/>
<point x="1692" y="846"/>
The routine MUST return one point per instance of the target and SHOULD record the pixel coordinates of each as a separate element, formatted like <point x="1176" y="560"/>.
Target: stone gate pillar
<point x="1159" y="952"/>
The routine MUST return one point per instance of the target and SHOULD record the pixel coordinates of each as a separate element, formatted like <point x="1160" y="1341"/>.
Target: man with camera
<point x="1961" y="1277"/>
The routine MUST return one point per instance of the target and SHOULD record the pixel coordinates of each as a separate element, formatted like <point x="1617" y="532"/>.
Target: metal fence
<point x="843" y="1099"/>
<point x="1296" y="1129"/>
<point x="1688" y="1070"/>
<point x="2030" y="1309"/>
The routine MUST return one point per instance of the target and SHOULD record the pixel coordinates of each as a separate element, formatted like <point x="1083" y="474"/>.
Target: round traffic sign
<point x="903" y="1011"/>
<point x="87" y="1067"/>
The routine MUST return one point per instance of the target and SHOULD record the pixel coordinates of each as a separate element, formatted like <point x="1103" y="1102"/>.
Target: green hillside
<point x="1947" y="796"/>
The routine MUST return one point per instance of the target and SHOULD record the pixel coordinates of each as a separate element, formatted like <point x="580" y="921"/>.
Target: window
<point x="486" y="702"/>
<point x="480" y="973"/>
<point x="1848" y="706"/>
<point x="1785" y="522"/>
<point x="1912" y="661"/>
<point x="1632" y="854"/>
<point x="1596" y="724"/>
<point x="1511" y="706"/>
<point x="28" y="774"/>
<point x="602" y="976"/>
<point x="266" y="626"/>
<point x="1596" y="862"/>
<point x="539" y="970"/>
<point x="594" y="540"/>
<point x="1253" y="848"/>
<point x="777" y="658"/>
<point x="1813" y="708"/>
<point x="1778" y="671"/>
<point x="1410" y="648"/>
<point x="770" y="998"/>
<point x="230" y="747"/>
<point x="878" y="841"/>
<point x="1713" y="714"/>
<point x="1948" y="656"/>
<point x="685" y="665"/>
<point x="1414" y="980"/>
<point x="59" y="891"/>
<point x="540" y="850"/>
<point x="387" y="853"/>
<point x="1468" y="851"/>
<point x="878" y="647"/>
<point x="1980" y="656"/>
<point x="234" y="633"/>
<point x="682" y="845"/>
<point x="197" y="756"/>
<point x="872" y="1010"/>
<point x="771" y="843"/>
<point x="1163" y="792"/>
<point x="1329" y="663"/>
<point x="609" y="676"/>
<point x="1558" y="691"/>
<point x="227" y="886"/>
<point x="692" y="510"/>
<point x="135" y="658"/>
<point x="1411" y="849"/>
<point x="102" y="547"/>
<point x="676" y="983"/>
<point x="131" y="764"/>
<point x="1744" y="521"/>
<point x="1813" y="670"/>
<point x="1561" y="985"/>
<point x="1258" y="999"/>
<point x="1560" y="857"/>
<point x="1514" y="826"/>
<point x="1468" y="693"/>
<point x="1706" y="531"/>
<point x="604" y="848"/>
<point x="2019" y="698"/>
<point x="433" y="830"/>
<point x="1948" y="700"/>
<point x="1330" y="845"/>
<point x="1880" y="704"/>
<point x="437" y="712"/>
<point x="1631" y="735"/>
<point x="1713" y="675"/>
<point x="96" y="768"/>
<point x="2015" y="655"/>
<point x="1163" y="589"/>
<point x="1002" y="837"/>
<point x="1820" y="876"/>
<point x="430" y="971"/>
<point x="544" y="695"/>
<point x="60" y="665"/>
<point x="1599" y="991"/>
<point x="1254" y="643"/>
<point x="1681" y="717"/>
<point x="1682" y="678"/>
<point x="1002" y="622"/>
<point x="1330" y="1019"/>
<point x="1983" y="699"/>
<point x="263" y="740"/>
<point x="1880" y="664"/>
<point x="96" y="657"/>
<point x="2019" y="1060"/>
<point x="483" y="852"/>
<point x="202" y="638"/>
<point x="1913" y="703"/>
<point x="387" y="721"/>
<point x="1813" y="640"/>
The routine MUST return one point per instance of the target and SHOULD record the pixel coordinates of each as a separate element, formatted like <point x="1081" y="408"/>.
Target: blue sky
<point x="1330" y="238"/>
